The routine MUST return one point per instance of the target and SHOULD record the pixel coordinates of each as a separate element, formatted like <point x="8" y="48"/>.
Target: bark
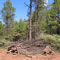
<point x="30" y="23"/>
<point x="37" y="22"/>
<point x="7" y="26"/>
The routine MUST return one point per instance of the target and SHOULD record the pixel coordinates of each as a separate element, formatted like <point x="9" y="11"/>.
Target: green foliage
<point x="54" y="17"/>
<point x="4" y="43"/>
<point x="8" y="10"/>
<point x="1" y="29"/>
<point x="43" y="26"/>
<point x="50" y="19"/>
<point x="20" y="28"/>
<point x="53" y="40"/>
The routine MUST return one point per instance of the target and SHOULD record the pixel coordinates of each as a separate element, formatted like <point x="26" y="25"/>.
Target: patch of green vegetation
<point x="53" y="40"/>
<point x="3" y="43"/>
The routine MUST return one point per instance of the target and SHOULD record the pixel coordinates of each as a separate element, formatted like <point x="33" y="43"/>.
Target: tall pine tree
<point x="8" y="14"/>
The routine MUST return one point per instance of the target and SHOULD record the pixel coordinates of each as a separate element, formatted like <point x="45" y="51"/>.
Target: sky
<point x="21" y="8"/>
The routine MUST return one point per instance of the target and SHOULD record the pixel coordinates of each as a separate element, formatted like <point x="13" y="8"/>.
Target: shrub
<point x="53" y="40"/>
<point x="3" y="43"/>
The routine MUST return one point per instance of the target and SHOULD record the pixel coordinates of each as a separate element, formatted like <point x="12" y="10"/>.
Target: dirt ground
<point x="5" y="56"/>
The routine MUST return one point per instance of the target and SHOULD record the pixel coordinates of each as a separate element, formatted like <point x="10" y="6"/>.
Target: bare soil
<point x="5" y="56"/>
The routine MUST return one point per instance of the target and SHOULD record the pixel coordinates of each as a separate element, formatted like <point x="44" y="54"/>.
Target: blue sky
<point x="21" y="9"/>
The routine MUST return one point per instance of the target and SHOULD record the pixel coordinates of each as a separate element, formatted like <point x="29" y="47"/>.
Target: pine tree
<point x="20" y="28"/>
<point x="57" y="8"/>
<point x="54" y="17"/>
<point x="8" y="14"/>
<point x="39" y="6"/>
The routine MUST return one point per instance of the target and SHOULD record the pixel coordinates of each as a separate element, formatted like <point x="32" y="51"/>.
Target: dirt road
<point x="4" y="56"/>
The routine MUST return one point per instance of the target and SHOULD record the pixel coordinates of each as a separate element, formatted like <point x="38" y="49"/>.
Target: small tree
<point x="20" y="28"/>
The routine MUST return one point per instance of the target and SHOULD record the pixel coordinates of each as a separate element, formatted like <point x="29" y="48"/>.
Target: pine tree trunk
<point x="6" y="26"/>
<point x="30" y="23"/>
<point x="37" y="22"/>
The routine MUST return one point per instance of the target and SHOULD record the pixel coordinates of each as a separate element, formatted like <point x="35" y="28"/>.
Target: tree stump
<point x="47" y="51"/>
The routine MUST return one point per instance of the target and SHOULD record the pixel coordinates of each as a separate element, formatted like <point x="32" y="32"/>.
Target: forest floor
<point x="5" y="56"/>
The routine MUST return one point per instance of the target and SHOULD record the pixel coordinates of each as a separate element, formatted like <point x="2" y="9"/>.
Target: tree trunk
<point x="6" y="26"/>
<point x="30" y="23"/>
<point x="37" y="22"/>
